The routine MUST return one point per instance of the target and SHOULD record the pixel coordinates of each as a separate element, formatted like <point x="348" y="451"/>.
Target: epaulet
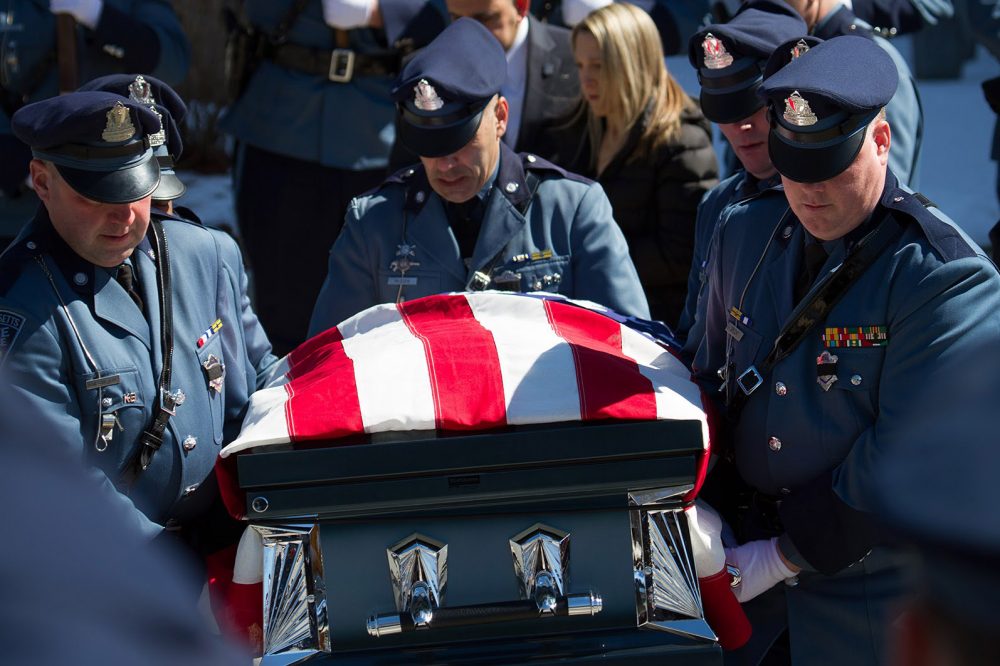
<point x="403" y="176"/>
<point x="536" y="164"/>
<point x="177" y="216"/>
<point x="943" y="235"/>
<point x="187" y="214"/>
<point x="12" y="262"/>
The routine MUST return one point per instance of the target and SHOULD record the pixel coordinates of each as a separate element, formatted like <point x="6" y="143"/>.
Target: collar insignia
<point x="716" y="56"/>
<point x="119" y="126"/>
<point x="797" y="111"/>
<point x="426" y="98"/>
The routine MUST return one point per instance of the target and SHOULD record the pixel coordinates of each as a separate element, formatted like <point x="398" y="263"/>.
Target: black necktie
<point x="126" y="278"/>
<point x="465" y="219"/>
<point x="813" y="258"/>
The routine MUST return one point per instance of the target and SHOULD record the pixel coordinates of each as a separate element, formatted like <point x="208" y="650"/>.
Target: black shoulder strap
<point x="280" y="33"/>
<point x="815" y="310"/>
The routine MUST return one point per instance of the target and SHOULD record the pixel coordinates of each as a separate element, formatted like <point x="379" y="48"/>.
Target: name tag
<point x="733" y="331"/>
<point x="402" y="281"/>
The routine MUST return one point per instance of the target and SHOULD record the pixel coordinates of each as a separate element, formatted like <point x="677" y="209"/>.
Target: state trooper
<point x="473" y="215"/>
<point x="134" y="339"/>
<point x="324" y="78"/>
<point x="863" y="303"/>
<point x="730" y="58"/>
<point x="110" y="36"/>
<point x="829" y="18"/>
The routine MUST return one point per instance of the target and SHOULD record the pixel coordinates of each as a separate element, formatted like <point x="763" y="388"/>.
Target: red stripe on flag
<point x="322" y="394"/>
<point x="610" y="384"/>
<point x="462" y="361"/>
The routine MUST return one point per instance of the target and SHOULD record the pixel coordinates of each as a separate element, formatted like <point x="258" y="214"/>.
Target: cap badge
<point x="119" y="126"/>
<point x="797" y="111"/>
<point x="799" y="49"/>
<point x="716" y="56"/>
<point x="426" y="98"/>
<point x="141" y="92"/>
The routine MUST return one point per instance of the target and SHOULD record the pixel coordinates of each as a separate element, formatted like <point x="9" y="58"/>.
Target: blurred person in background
<point x="646" y="142"/>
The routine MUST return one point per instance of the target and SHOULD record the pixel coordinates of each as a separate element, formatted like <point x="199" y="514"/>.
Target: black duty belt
<point x="338" y="65"/>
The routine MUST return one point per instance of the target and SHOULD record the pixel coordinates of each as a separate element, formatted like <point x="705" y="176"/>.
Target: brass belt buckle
<point x="341" y="66"/>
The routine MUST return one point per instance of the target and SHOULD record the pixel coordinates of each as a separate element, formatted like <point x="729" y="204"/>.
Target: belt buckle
<point x="750" y="380"/>
<point x="341" y="66"/>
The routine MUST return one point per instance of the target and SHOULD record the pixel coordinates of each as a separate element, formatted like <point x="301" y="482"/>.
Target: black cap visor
<point x="436" y="136"/>
<point x="732" y="106"/>
<point x="170" y="186"/>
<point x="807" y="158"/>
<point x="124" y="185"/>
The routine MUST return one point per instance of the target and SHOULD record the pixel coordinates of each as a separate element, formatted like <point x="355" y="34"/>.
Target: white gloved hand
<point x="760" y="565"/>
<point x="249" y="566"/>
<point x="575" y="11"/>
<point x="705" y="526"/>
<point x="86" y="12"/>
<point x="347" y="14"/>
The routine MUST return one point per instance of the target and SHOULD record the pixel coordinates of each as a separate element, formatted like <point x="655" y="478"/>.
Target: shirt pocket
<point x="120" y="413"/>
<point x="540" y="275"/>
<point x="851" y="404"/>
<point x="212" y="365"/>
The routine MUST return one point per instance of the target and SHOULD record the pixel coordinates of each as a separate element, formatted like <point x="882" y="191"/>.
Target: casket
<point x="561" y="540"/>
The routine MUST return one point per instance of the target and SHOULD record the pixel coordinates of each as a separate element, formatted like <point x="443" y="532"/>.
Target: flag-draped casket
<point x="422" y="475"/>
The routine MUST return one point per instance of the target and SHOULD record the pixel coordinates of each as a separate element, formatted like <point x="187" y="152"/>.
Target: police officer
<point x="110" y="36"/>
<point x="167" y="144"/>
<point x="730" y="58"/>
<point x="324" y="80"/>
<point x="864" y="300"/>
<point x="133" y="338"/>
<point x="830" y="18"/>
<point x="474" y="214"/>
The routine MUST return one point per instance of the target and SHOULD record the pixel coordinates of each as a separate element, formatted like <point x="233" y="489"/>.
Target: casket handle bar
<point x="583" y="603"/>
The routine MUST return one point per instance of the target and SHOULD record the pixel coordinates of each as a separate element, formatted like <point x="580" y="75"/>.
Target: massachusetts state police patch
<point x="10" y="327"/>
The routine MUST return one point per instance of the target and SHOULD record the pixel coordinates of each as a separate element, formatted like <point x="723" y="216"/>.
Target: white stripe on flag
<point x="264" y="423"/>
<point x="677" y="397"/>
<point x="539" y="374"/>
<point x="390" y="368"/>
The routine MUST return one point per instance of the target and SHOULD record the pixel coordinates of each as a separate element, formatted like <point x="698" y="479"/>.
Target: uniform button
<point x="409" y="172"/>
<point x="785" y="491"/>
<point x="106" y="402"/>
<point x="420" y="196"/>
<point x="854" y="27"/>
<point x="532" y="159"/>
<point x="511" y="188"/>
<point x="31" y="245"/>
<point x="774" y="444"/>
<point x="189" y="443"/>
<point x="780" y="388"/>
<point x="190" y="489"/>
<point x="80" y="279"/>
<point x="786" y="233"/>
<point x="856" y="380"/>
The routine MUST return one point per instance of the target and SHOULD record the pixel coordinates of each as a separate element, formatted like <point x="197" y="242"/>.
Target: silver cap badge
<point x="426" y="98"/>
<point x="799" y="49"/>
<point x="119" y="126"/>
<point x="797" y="111"/>
<point x="141" y="92"/>
<point x="716" y="56"/>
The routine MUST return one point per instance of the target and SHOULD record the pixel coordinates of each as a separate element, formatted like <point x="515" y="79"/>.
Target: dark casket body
<point x="539" y="543"/>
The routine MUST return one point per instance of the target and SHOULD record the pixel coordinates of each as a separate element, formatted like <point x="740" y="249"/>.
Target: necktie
<point x="126" y="278"/>
<point x="813" y="258"/>
<point x="465" y="219"/>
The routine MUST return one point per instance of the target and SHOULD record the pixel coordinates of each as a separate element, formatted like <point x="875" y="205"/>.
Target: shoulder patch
<point x="942" y="234"/>
<point x="10" y="327"/>
<point x="541" y="166"/>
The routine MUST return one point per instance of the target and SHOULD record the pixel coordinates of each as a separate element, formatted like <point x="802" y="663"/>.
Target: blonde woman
<point x="638" y="133"/>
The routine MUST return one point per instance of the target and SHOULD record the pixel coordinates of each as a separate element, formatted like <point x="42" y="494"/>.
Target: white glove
<point x="86" y="12"/>
<point x="347" y="14"/>
<point x="575" y="11"/>
<point x="249" y="566"/>
<point x="760" y="565"/>
<point x="705" y="526"/>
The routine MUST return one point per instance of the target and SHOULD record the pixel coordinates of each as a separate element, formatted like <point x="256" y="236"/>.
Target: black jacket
<point x="655" y="202"/>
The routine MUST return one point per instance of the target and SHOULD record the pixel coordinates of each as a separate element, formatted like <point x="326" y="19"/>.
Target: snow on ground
<point x="956" y="171"/>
